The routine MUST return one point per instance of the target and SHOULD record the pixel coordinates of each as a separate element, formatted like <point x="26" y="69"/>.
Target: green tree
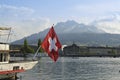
<point x="25" y="44"/>
<point x="39" y="44"/>
<point x="26" y="48"/>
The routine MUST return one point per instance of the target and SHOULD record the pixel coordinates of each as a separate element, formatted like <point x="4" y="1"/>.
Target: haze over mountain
<point x="71" y="31"/>
<point x="74" y="27"/>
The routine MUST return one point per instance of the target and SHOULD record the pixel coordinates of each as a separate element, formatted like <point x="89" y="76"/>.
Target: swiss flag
<point x="51" y="44"/>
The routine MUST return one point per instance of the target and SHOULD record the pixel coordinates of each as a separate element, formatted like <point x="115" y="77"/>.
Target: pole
<point x="36" y="53"/>
<point x="20" y="77"/>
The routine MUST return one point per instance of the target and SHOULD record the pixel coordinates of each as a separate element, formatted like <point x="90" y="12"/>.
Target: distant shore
<point x="90" y="56"/>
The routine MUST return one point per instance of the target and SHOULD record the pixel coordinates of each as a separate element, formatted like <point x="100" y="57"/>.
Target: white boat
<point x="10" y="68"/>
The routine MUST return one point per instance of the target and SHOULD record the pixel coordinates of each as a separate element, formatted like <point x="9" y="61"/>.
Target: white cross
<point x="52" y="44"/>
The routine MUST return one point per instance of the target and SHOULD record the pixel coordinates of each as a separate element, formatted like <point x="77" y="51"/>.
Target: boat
<point x="9" y="68"/>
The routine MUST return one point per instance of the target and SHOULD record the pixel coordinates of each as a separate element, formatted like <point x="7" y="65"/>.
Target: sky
<point x="32" y="16"/>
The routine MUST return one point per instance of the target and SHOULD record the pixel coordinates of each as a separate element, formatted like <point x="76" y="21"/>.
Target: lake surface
<point x="82" y="68"/>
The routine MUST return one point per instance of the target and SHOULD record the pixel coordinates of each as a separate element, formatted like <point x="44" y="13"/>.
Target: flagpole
<point x="36" y="52"/>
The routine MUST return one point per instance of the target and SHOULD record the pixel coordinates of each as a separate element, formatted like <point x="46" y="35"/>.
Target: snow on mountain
<point x="74" y="27"/>
<point x="62" y="28"/>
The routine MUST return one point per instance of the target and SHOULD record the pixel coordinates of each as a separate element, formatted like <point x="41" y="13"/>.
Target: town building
<point x="74" y="50"/>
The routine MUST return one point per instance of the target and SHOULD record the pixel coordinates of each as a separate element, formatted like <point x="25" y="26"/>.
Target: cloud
<point x="110" y="24"/>
<point x="13" y="11"/>
<point x="96" y="8"/>
<point x="22" y="20"/>
<point x="31" y="26"/>
<point x="26" y="27"/>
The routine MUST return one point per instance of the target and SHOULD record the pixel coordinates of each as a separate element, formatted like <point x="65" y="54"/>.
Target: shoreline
<point x="112" y="56"/>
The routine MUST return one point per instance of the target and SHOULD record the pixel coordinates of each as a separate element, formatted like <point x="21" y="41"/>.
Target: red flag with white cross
<point x="51" y="44"/>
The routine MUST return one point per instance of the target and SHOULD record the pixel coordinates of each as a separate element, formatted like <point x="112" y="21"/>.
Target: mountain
<point x="74" y="27"/>
<point x="71" y="31"/>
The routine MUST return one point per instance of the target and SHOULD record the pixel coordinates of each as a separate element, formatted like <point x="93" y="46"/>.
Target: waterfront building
<point x="74" y="50"/>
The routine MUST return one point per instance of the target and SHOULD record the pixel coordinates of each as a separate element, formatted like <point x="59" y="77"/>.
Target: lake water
<point x="82" y="68"/>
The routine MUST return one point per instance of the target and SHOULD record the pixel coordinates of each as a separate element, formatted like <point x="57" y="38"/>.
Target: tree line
<point x="27" y="49"/>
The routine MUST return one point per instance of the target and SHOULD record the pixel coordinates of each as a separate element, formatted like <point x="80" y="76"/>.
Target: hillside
<point x="71" y="31"/>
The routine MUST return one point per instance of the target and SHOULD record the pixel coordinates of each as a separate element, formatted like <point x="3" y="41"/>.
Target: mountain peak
<point x="71" y="22"/>
<point x="67" y="23"/>
<point x="71" y="26"/>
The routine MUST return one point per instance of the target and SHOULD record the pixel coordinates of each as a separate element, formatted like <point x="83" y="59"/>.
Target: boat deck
<point x="19" y="61"/>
